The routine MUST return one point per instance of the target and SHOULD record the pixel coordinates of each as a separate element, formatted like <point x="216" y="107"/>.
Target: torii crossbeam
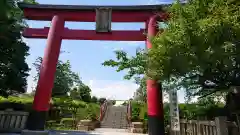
<point x="103" y="16"/>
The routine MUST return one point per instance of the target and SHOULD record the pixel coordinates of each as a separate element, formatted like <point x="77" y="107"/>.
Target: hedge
<point x="16" y="102"/>
<point x="62" y="111"/>
<point x="139" y="111"/>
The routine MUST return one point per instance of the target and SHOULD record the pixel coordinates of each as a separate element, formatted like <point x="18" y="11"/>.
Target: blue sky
<point x="86" y="56"/>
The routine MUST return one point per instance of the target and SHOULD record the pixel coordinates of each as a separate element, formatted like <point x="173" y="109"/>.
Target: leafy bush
<point x="16" y="103"/>
<point x="113" y="102"/>
<point x="143" y="112"/>
<point x="68" y="122"/>
<point x="139" y="113"/>
<point x="136" y="109"/>
<point x="93" y="112"/>
<point x="186" y="111"/>
<point x="94" y="99"/>
<point x="124" y="103"/>
<point x="64" y="105"/>
<point x="63" y="114"/>
<point x="101" y="100"/>
<point x="67" y="102"/>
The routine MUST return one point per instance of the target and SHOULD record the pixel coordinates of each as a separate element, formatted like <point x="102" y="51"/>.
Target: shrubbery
<point x="139" y="111"/>
<point x="186" y="111"/>
<point x="64" y="113"/>
<point x="136" y="110"/>
<point x="16" y="103"/>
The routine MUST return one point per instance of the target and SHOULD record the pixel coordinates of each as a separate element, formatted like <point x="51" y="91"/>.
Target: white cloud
<point x="118" y="90"/>
<point x="155" y="2"/>
<point x="119" y="45"/>
<point x="31" y="84"/>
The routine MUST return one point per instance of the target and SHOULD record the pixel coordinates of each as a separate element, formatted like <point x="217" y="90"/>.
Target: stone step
<point x="114" y="126"/>
<point x="115" y="117"/>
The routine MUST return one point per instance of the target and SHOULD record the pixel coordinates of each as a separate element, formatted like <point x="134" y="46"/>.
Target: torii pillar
<point x="45" y="83"/>
<point x="154" y="89"/>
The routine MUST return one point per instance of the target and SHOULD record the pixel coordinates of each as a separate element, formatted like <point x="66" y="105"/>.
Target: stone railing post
<point x="129" y="111"/>
<point x="103" y="109"/>
<point x="221" y="125"/>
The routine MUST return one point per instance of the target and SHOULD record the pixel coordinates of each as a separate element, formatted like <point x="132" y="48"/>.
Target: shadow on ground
<point x="58" y="132"/>
<point x="101" y="131"/>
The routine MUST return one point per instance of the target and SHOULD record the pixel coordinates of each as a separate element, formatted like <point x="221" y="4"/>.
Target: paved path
<point x="100" y="131"/>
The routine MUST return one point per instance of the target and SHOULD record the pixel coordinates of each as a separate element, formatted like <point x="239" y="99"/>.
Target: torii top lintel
<point x="138" y="13"/>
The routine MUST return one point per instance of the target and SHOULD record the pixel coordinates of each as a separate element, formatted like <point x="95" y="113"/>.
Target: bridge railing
<point x="103" y="110"/>
<point x="129" y="111"/>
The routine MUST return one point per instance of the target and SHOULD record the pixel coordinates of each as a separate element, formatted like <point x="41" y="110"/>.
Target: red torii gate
<point x="58" y="14"/>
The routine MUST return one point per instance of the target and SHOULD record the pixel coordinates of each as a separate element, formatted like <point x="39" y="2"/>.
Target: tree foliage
<point x="136" y="67"/>
<point x="102" y="100"/>
<point x="198" y="50"/>
<point x="65" y="78"/>
<point x="75" y="94"/>
<point x="13" y="50"/>
<point x="94" y="99"/>
<point x="204" y="109"/>
<point x="140" y="95"/>
<point x="81" y="92"/>
<point x="85" y="92"/>
<point x="199" y="46"/>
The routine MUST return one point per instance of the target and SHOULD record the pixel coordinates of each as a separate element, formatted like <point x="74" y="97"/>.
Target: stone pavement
<point x="100" y="131"/>
<point x="115" y="117"/>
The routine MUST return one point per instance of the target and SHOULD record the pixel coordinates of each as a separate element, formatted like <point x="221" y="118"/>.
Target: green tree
<point x="198" y="50"/>
<point x="199" y="46"/>
<point x="82" y="92"/>
<point x="85" y="92"/>
<point x="101" y="100"/>
<point x="13" y="50"/>
<point x="75" y="94"/>
<point x="113" y="102"/>
<point x="140" y="95"/>
<point x="94" y="99"/>
<point x="136" y="67"/>
<point x="65" y="78"/>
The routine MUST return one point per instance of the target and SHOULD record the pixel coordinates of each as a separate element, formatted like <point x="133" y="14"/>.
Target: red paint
<point x="103" y="110"/>
<point x="88" y="34"/>
<point x="101" y="113"/>
<point x="86" y="16"/>
<point x="129" y="111"/>
<point x="154" y="93"/>
<point x="48" y="67"/>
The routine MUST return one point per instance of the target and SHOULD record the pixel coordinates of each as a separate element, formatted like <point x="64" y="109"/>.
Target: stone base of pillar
<point x="32" y="132"/>
<point x="137" y="130"/>
<point x="136" y="127"/>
